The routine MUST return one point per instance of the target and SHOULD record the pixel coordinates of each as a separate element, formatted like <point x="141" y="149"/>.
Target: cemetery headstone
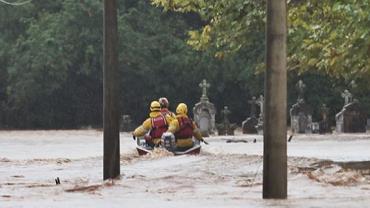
<point x="225" y="114"/>
<point x="225" y="127"/>
<point x="347" y="97"/>
<point x="315" y="127"/>
<point x="253" y="104"/>
<point x="249" y="125"/>
<point x="301" y="117"/>
<point x="204" y="112"/>
<point x="301" y="113"/>
<point x="324" y="124"/>
<point x="260" y="102"/>
<point x="300" y="86"/>
<point x="351" y="119"/>
<point x="126" y="123"/>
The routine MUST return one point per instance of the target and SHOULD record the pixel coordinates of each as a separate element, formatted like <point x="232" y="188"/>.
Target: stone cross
<point x="253" y="103"/>
<point x="260" y="102"/>
<point x="300" y="87"/>
<point x="347" y="97"/>
<point x="324" y="112"/>
<point x="226" y="112"/>
<point x="204" y="85"/>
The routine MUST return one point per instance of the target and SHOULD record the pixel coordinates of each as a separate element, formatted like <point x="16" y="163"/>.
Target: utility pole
<point x="275" y="127"/>
<point x="111" y="163"/>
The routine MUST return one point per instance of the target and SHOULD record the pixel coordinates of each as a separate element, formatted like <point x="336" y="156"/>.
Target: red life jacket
<point x="186" y="128"/>
<point x="165" y="112"/>
<point x="159" y="126"/>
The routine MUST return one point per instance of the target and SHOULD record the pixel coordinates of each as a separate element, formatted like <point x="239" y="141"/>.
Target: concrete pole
<point x="111" y="113"/>
<point x="275" y="127"/>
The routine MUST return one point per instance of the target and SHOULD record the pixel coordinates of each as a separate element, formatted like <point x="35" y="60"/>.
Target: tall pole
<point x="275" y="127"/>
<point x="111" y="164"/>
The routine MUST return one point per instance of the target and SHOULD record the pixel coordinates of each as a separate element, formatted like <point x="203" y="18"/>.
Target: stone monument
<point x="204" y="112"/>
<point x="226" y="128"/>
<point x="324" y="124"/>
<point x="301" y="113"/>
<point x="300" y="86"/>
<point x="347" y="97"/>
<point x="352" y="118"/>
<point x="260" y="102"/>
<point x="315" y="127"/>
<point x="249" y="126"/>
<point x="126" y="123"/>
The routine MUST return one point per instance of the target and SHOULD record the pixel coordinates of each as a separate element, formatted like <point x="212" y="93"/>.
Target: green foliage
<point x="231" y="24"/>
<point x="51" y="56"/>
<point x="156" y="59"/>
<point x="331" y="36"/>
<point x="47" y="59"/>
<point x="326" y="38"/>
<point x="52" y="62"/>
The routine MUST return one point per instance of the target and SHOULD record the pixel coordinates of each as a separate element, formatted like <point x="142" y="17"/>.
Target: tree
<point x="154" y="45"/>
<point x="53" y="65"/>
<point x="51" y="59"/>
<point x="331" y="36"/>
<point x="230" y="24"/>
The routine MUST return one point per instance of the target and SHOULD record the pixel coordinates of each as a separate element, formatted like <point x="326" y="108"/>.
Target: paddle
<point x="204" y="141"/>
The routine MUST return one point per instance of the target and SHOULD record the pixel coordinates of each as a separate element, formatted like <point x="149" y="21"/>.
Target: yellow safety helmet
<point x="155" y="106"/>
<point x="182" y="108"/>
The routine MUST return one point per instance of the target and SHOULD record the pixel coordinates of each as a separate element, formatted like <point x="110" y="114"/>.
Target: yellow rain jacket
<point x="175" y="127"/>
<point x="147" y="126"/>
<point x="168" y="113"/>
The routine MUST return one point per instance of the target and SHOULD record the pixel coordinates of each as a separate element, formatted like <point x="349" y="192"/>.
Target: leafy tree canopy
<point x="51" y="56"/>
<point x="330" y="36"/>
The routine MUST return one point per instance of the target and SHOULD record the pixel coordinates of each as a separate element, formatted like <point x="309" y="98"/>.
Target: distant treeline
<point x="51" y="66"/>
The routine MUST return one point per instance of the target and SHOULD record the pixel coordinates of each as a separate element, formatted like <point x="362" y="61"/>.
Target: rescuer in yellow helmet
<point x="184" y="129"/>
<point x="156" y="125"/>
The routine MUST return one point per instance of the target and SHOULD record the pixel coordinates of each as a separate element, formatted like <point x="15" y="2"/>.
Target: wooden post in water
<point x="275" y="127"/>
<point x="111" y="113"/>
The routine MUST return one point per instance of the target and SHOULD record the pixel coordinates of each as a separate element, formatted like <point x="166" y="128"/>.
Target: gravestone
<point x="301" y="117"/>
<point x="225" y="127"/>
<point x="249" y="125"/>
<point x="126" y="123"/>
<point x="260" y="102"/>
<point x="300" y="86"/>
<point x="253" y="104"/>
<point x="351" y="119"/>
<point x="204" y="122"/>
<point x="347" y="97"/>
<point x="225" y="115"/>
<point x="301" y="113"/>
<point x="315" y="127"/>
<point x="204" y="112"/>
<point x="324" y="124"/>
